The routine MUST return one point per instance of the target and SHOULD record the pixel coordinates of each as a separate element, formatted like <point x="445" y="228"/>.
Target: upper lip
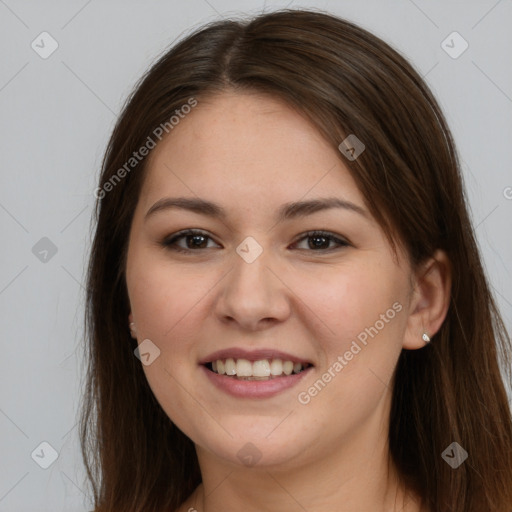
<point x="252" y="355"/>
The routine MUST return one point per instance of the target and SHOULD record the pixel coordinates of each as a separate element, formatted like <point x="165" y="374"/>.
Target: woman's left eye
<point x="320" y="240"/>
<point x="316" y="240"/>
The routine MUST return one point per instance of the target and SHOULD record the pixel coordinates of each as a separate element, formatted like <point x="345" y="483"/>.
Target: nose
<point x="252" y="296"/>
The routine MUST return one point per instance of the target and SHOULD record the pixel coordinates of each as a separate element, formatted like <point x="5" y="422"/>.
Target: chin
<point x="262" y="448"/>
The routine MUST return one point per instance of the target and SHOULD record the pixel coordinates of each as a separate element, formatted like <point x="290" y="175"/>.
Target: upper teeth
<point x="261" y="368"/>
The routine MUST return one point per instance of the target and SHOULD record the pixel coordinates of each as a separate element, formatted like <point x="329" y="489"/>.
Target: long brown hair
<point x="347" y="81"/>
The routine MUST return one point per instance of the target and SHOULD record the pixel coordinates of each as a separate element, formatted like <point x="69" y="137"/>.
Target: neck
<point x="274" y="491"/>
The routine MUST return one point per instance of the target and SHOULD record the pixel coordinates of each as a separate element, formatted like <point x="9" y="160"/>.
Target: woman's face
<point x="253" y="288"/>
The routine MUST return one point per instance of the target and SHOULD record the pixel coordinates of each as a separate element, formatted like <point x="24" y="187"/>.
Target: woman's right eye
<point x="194" y="240"/>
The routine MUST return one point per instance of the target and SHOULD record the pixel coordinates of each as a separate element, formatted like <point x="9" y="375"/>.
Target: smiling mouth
<point x="263" y="369"/>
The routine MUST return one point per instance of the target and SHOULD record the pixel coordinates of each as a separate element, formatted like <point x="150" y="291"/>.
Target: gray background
<point x="56" y="117"/>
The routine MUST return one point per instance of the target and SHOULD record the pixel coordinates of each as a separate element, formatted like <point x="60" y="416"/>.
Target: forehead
<point x="248" y="146"/>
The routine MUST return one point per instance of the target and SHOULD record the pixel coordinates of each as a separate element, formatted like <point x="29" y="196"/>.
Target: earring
<point x="426" y="337"/>
<point x="133" y="331"/>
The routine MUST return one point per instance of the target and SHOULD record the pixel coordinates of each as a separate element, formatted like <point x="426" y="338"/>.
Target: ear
<point x="430" y="300"/>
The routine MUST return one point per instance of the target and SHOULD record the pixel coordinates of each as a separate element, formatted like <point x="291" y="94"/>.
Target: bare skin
<point x="325" y="450"/>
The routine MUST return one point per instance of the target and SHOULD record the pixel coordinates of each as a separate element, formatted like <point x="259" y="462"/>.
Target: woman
<point x="286" y="304"/>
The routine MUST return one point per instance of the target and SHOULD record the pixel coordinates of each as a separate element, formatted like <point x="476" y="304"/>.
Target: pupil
<point x="323" y="238"/>
<point x="195" y="239"/>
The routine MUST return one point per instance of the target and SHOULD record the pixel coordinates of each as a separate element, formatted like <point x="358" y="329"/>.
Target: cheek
<point x="164" y="299"/>
<point x="353" y="299"/>
<point x="364" y="312"/>
<point x="163" y="295"/>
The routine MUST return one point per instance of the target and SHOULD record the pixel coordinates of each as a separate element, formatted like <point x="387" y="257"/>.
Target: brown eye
<point x="193" y="240"/>
<point x="320" y="241"/>
<point x="196" y="241"/>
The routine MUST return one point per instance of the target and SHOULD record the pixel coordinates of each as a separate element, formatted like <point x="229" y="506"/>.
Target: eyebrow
<point x="286" y="212"/>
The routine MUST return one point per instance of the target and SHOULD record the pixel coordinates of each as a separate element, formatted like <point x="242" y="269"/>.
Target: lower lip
<point x="254" y="388"/>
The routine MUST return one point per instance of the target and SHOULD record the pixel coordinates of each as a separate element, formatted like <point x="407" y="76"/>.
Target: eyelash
<point x="170" y="242"/>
